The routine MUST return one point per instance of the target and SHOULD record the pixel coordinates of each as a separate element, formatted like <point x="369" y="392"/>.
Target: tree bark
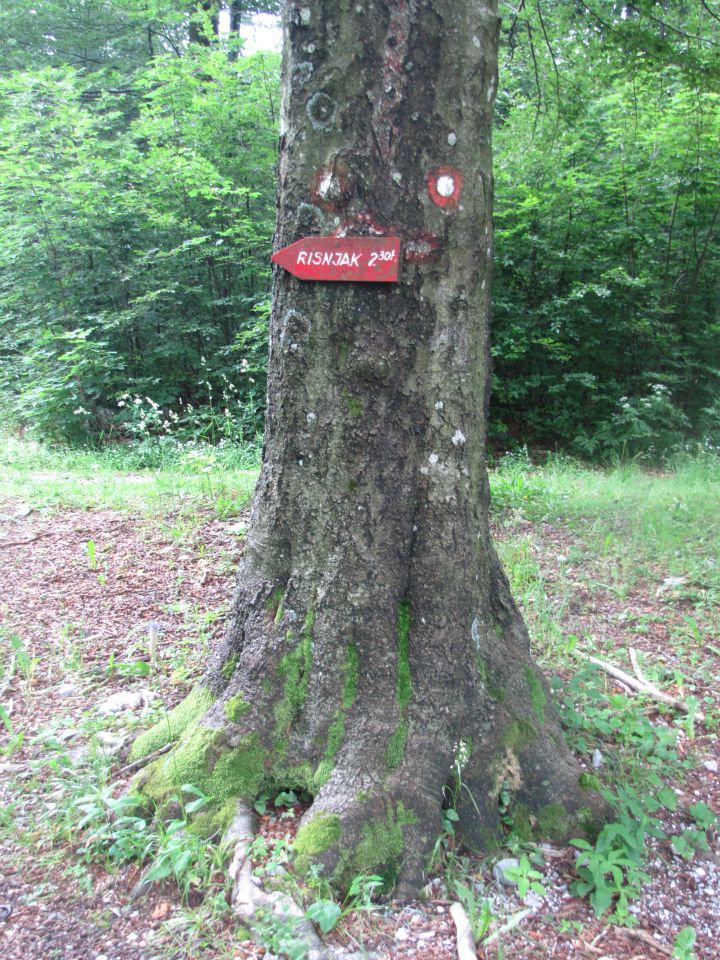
<point x="375" y="656"/>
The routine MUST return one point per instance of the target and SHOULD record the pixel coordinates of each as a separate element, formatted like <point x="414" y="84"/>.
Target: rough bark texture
<point x="374" y="633"/>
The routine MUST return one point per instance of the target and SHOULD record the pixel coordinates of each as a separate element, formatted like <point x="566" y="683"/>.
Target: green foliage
<point x="136" y="210"/>
<point x="607" y="248"/>
<point x="109" y="828"/>
<point x="611" y="869"/>
<point x="328" y="913"/>
<point x="479" y="911"/>
<point x="641" y="753"/>
<point x="526" y="876"/>
<point x="684" y="943"/>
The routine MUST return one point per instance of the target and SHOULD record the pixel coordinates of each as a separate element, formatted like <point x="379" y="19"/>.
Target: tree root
<point x="248" y="897"/>
<point x="464" y="935"/>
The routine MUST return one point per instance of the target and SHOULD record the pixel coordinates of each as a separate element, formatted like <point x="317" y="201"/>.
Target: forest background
<point x="137" y="187"/>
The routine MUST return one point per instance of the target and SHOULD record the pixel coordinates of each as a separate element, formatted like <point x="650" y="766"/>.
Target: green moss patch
<point x="336" y="731"/>
<point x="229" y="667"/>
<point x="589" y="781"/>
<point x="354" y="406"/>
<point x="204" y="760"/>
<point x="236" y="708"/>
<point x="550" y="818"/>
<point x="173" y="724"/>
<point x="352" y="676"/>
<point x="294" y="670"/>
<point x="316" y="837"/>
<point x="395" y="749"/>
<point x="538" y="700"/>
<point x="518" y="735"/>
<point x="381" y="849"/>
<point x="212" y="822"/>
<point x="404" y="677"/>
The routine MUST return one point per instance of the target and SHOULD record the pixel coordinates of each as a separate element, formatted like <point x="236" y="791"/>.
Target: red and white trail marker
<point x="345" y="259"/>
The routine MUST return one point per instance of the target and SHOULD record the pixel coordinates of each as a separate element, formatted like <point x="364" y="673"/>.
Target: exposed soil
<point x="82" y="613"/>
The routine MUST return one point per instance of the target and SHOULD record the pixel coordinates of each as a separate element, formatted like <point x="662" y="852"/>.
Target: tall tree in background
<point x="375" y="654"/>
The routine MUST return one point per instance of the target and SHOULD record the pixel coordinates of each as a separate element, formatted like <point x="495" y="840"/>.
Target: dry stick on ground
<point x="641" y="686"/>
<point x="21" y="543"/>
<point x="143" y="761"/>
<point x="649" y="939"/>
<point x="464" y="935"/>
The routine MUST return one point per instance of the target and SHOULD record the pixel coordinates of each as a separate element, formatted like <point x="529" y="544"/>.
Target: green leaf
<point x="325" y="913"/>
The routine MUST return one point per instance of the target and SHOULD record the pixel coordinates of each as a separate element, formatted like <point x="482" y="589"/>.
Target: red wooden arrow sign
<point x="358" y="259"/>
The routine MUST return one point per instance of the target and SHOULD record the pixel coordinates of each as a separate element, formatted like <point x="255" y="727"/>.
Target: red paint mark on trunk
<point x="342" y="259"/>
<point x="421" y="247"/>
<point x="445" y="186"/>
<point x="394" y="78"/>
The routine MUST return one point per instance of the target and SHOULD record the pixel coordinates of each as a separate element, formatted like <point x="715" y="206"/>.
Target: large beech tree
<point x="374" y="645"/>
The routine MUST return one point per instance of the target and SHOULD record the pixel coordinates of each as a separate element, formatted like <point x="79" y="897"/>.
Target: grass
<point x="673" y="514"/>
<point x="154" y="478"/>
<point x="641" y="527"/>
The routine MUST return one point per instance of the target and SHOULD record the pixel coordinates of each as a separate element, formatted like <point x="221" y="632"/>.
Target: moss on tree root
<point x="379" y="851"/>
<point x="173" y="724"/>
<point x="205" y="760"/>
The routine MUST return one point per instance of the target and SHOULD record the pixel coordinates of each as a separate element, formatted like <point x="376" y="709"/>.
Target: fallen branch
<point x="641" y="686"/>
<point x="464" y="934"/>
<point x="648" y="939"/>
<point x="143" y="761"/>
<point x="21" y="543"/>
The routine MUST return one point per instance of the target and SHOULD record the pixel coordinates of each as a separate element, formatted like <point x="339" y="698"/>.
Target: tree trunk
<point x="374" y="649"/>
<point x="196" y="28"/>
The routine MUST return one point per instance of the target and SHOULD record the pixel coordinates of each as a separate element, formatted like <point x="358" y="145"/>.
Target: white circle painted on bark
<point x="446" y="185"/>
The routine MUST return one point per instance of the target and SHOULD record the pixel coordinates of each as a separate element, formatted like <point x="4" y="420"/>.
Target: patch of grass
<point x="625" y="511"/>
<point x="151" y="478"/>
<point x="636" y="526"/>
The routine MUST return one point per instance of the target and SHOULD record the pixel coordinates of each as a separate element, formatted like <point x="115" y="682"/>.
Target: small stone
<point x="670" y="583"/>
<point x="426" y="935"/>
<point x="124" y="700"/>
<point x="111" y="743"/>
<point x="66" y="690"/>
<point x="402" y="934"/>
<point x="533" y="900"/>
<point x="597" y="759"/>
<point x="500" y="868"/>
<point x="711" y="765"/>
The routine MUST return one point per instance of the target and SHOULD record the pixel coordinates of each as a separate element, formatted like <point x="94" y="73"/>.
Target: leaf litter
<point x="82" y="621"/>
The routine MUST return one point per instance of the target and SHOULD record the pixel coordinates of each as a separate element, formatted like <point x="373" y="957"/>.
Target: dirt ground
<point x="82" y="612"/>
